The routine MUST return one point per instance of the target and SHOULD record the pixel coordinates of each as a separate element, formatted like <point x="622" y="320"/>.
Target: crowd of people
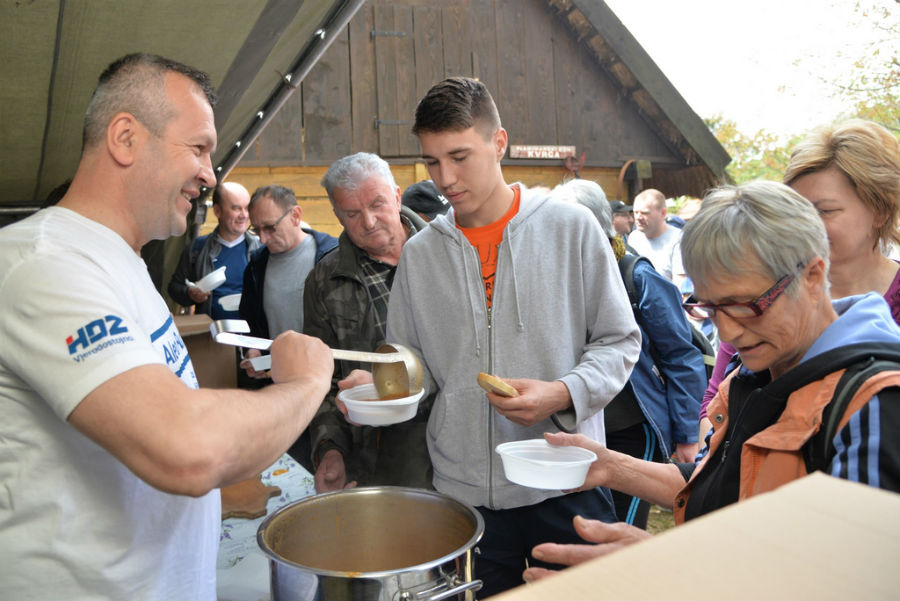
<point x="585" y="306"/>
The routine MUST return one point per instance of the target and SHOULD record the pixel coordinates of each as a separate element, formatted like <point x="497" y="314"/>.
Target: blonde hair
<point x="869" y="156"/>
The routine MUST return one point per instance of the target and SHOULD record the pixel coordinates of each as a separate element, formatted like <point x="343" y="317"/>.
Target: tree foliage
<point x="872" y="87"/>
<point x="762" y="155"/>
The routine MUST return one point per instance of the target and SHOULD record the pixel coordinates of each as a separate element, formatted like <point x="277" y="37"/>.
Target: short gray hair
<point x="136" y="84"/>
<point x="348" y="172"/>
<point x="589" y="194"/>
<point x="761" y="226"/>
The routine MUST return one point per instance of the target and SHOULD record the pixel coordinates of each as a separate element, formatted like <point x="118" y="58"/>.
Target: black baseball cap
<point x="617" y="206"/>
<point x="423" y="197"/>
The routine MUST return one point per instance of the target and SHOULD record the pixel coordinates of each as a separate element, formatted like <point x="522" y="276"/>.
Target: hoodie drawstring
<point x="515" y="282"/>
<point x="461" y="239"/>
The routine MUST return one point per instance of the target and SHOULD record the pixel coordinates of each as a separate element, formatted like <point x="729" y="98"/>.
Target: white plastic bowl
<point x="261" y="363"/>
<point x="212" y="280"/>
<point x="363" y="410"/>
<point x="231" y="302"/>
<point x="538" y="464"/>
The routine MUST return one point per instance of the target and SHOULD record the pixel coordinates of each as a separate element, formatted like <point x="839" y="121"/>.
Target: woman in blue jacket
<point x="654" y="416"/>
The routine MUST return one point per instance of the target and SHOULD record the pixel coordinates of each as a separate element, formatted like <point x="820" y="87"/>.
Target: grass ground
<point x="659" y="520"/>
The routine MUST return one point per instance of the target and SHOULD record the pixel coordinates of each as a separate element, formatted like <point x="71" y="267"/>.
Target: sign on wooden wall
<point x="534" y="151"/>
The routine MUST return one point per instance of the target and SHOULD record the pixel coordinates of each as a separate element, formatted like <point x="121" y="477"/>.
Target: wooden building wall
<point x="362" y="93"/>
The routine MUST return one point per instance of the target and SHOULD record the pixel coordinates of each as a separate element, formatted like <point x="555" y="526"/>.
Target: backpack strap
<point x="817" y="452"/>
<point x="861" y="361"/>
<point x="831" y="361"/>
<point x="698" y="339"/>
<point x="626" y="268"/>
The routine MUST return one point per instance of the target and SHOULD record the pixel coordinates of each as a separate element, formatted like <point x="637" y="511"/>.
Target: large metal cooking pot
<point x="386" y="543"/>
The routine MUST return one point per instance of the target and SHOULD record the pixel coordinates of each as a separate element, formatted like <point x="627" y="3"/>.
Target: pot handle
<point x="465" y="586"/>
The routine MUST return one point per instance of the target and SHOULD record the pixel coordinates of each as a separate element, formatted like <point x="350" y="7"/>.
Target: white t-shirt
<point x="79" y="308"/>
<point x="664" y="251"/>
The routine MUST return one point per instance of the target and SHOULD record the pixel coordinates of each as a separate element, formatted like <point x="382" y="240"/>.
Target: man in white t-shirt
<point x="654" y="238"/>
<point x="111" y="456"/>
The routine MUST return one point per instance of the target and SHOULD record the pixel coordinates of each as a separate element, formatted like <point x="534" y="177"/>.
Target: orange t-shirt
<point x="486" y="239"/>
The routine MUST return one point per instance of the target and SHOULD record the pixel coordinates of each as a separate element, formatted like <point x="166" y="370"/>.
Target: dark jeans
<point x="511" y="534"/>
<point x="638" y="441"/>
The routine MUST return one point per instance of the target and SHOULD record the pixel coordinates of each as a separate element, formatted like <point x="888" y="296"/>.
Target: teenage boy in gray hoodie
<point x="510" y="283"/>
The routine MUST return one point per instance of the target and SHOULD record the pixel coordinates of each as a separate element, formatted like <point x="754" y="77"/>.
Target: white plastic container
<point x="261" y="363"/>
<point x="231" y="302"/>
<point x="211" y="280"/>
<point x="364" y="407"/>
<point x="538" y="464"/>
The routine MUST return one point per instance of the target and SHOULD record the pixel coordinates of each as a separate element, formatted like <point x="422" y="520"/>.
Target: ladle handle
<point x="264" y="344"/>
<point x="366" y="356"/>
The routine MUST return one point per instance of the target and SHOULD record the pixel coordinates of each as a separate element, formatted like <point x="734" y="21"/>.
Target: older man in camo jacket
<point x="345" y="304"/>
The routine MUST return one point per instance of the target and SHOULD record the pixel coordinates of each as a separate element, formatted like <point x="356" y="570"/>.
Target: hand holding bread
<point x="494" y="384"/>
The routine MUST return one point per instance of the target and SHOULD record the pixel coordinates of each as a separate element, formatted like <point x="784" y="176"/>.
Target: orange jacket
<point x="774" y="456"/>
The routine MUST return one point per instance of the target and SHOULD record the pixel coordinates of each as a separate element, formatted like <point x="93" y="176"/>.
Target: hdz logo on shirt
<point x="97" y="335"/>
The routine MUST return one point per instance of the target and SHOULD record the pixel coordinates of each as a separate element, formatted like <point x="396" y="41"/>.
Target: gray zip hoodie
<point x="559" y="312"/>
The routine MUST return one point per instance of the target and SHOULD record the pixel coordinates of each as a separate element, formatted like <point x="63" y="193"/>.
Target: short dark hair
<point x="135" y="84"/>
<point x="455" y="104"/>
<point x="282" y="196"/>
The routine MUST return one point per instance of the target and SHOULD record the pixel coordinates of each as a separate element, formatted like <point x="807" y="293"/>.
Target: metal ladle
<point x="396" y="370"/>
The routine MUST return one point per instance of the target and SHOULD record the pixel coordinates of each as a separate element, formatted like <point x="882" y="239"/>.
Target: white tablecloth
<point x="242" y="571"/>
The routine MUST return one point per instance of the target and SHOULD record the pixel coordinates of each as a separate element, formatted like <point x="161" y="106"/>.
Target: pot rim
<point x="473" y="540"/>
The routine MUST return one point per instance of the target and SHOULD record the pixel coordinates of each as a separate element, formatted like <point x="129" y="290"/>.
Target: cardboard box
<point x="214" y="363"/>
<point x="816" y="538"/>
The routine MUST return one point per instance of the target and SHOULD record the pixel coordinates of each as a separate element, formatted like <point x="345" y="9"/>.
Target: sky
<point x="764" y="64"/>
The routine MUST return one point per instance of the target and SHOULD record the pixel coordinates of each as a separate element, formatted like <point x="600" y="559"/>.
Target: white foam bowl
<point x="261" y="363"/>
<point x="231" y="302"/>
<point x="362" y="409"/>
<point x="538" y="464"/>
<point x="212" y="280"/>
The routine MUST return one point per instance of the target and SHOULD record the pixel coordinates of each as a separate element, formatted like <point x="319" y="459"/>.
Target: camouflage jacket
<point x="337" y="309"/>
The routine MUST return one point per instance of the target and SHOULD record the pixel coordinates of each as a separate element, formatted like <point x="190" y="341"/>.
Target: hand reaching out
<point x="606" y="538"/>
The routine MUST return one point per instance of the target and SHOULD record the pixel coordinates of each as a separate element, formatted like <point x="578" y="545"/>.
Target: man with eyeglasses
<point x="272" y="300"/>
<point x="272" y="297"/>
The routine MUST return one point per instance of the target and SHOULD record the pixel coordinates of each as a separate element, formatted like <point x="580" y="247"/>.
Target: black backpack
<point x="862" y="361"/>
<point x="701" y="342"/>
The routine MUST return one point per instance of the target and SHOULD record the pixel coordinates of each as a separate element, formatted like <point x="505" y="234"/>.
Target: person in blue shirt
<point x="654" y="417"/>
<point x="229" y="245"/>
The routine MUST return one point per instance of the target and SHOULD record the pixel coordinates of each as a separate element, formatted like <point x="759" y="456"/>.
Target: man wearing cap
<point x="622" y="218"/>
<point x="345" y="305"/>
<point x="423" y="198"/>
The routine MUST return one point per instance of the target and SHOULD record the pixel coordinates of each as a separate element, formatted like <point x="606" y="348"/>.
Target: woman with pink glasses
<point x="851" y="174"/>
<point x="758" y="257"/>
